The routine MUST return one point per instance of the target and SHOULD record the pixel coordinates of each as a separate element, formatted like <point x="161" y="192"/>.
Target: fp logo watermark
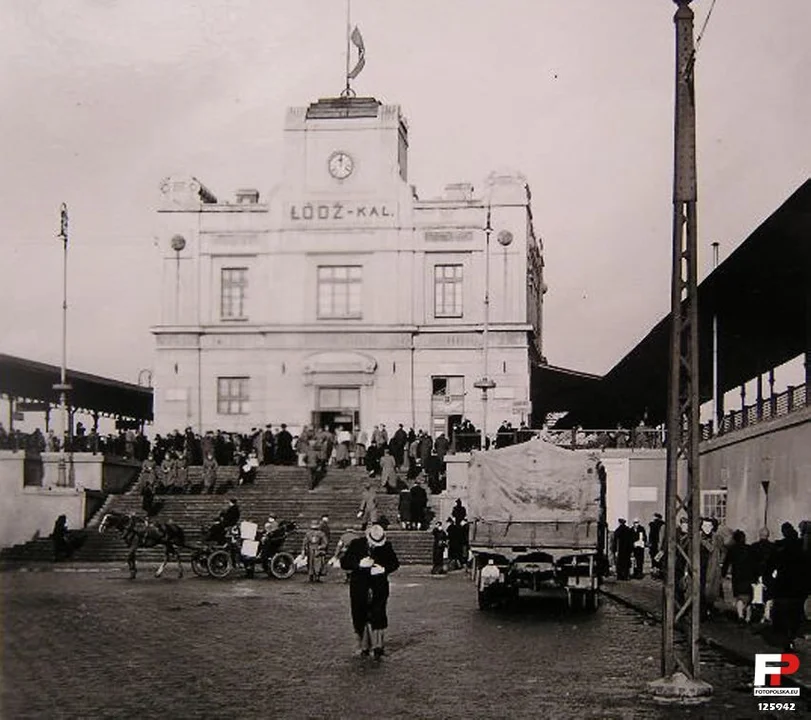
<point x="772" y="667"/>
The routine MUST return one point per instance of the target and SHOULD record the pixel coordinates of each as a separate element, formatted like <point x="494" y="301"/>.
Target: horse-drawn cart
<point x="246" y="545"/>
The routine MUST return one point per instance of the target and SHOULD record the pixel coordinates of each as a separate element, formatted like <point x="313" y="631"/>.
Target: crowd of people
<point x="770" y="581"/>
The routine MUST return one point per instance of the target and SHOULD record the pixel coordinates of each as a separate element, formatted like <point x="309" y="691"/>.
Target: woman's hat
<point x="376" y="535"/>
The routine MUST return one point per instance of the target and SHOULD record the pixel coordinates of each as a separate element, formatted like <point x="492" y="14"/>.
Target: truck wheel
<point x="591" y="601"/>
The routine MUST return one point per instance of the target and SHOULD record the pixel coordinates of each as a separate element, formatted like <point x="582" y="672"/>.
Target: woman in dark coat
<point x="370" y="560"/>
<point x="61" y="539"/>
<point x="739" y="558"/>
<point x="438" y="554"/>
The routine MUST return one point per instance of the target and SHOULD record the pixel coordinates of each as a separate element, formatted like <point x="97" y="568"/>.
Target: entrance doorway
<point x="338" y="408"/>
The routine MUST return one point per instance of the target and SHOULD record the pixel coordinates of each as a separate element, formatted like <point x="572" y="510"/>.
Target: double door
<point x="338" y="408"/>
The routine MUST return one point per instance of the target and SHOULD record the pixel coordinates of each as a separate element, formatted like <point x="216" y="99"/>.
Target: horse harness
<point x="131" y="531"/>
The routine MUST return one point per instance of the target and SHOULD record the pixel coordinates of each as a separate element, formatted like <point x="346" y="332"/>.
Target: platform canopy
<point x="32" y="382"/>
<point x="761" y="295"/>
<point x="555" y="389"/>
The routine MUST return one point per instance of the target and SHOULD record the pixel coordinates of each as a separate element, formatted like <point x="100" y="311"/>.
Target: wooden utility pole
<point x="682" y="589"/>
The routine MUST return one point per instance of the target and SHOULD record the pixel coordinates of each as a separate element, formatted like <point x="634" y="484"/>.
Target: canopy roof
<point x="30" y="380"/>
<point x="761" y="295"/>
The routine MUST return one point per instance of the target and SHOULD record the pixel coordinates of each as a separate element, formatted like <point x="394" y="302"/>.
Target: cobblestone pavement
<point x="742" y="642"/>
<point x="89" y="643"/>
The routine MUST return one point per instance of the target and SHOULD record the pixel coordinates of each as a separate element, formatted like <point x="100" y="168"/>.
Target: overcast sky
<point x="102" y="99"/>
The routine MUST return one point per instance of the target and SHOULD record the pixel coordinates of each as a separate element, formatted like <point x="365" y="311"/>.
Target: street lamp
<point x="718" y="414"/>
<point x="63" y="386"/>
<point x="486" y="383"/>
<point x="765" y="483"/>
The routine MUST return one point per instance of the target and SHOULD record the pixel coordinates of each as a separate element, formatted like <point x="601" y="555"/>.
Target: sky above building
<point x="102" y="100"/>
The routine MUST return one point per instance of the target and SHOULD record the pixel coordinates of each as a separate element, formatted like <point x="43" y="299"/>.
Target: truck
<point x="539" y="524"/>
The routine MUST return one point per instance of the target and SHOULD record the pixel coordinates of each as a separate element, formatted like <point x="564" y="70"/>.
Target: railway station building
<point x="341" y="297"/>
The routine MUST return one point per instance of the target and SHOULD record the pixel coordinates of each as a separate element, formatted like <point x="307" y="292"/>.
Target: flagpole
<point x="63" y="480"/>
<point x="348" y="32"/>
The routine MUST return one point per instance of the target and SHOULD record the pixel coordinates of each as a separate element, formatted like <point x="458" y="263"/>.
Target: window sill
<point x="233" y="319"/>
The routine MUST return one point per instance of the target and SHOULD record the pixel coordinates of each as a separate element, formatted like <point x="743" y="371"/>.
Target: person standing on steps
<point x="209" y="473"/>
<point x="419" y="504"/>
<point x="313" y="464"/>
<point x="388" y="472"/>
<point x="370" y="560"/>
<point x="368" y="512"/>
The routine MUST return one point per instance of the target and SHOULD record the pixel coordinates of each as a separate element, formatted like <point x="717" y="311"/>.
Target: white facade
<point x="342" y="293"/>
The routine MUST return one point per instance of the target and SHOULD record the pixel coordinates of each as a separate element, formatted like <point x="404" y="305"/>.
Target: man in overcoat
<point x="370" y="559"/>
<point x="622" y="545"/>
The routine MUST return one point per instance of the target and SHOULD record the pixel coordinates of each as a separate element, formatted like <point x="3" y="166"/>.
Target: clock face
<point x="340" y="164"/>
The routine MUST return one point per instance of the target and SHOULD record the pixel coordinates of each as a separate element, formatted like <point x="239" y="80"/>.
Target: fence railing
<point x="791" y="400"/>
<point x="785" y="403"/>
<point x="576" y="438"/>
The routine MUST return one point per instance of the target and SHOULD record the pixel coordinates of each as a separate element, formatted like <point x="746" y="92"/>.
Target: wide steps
<point x="281" y="491"/>
<point x="412" y="547"/>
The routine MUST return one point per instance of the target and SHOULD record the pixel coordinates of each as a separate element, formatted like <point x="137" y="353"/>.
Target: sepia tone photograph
<point x="387" y="359"/>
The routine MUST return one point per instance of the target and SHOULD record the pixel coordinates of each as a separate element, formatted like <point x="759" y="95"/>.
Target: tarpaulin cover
<point x="534" y="481"/>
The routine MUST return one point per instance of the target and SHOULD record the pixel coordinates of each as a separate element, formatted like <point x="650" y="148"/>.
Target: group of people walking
<point x="770" y="581"/>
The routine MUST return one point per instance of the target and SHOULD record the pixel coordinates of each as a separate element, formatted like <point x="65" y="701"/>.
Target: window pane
<point x="233" y="291"/>
<point x="456" y="385"/>
<point x="329" y="398"/>
<point x="447" y="290"/>
<point x="350" y="397"/>
<point x="339" y="291"/>
<point x="232" y="396"/>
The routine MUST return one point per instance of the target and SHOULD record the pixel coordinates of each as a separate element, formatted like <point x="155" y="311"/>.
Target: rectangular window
<point x="447" y="291"/>
<point x="448" y="389"/>
<point x="338" y="398"/>
<point x="233" y="292"/>
<point x="339" y="291"/>
<point x="714" y="504"/>
<point x="233" y="396"/>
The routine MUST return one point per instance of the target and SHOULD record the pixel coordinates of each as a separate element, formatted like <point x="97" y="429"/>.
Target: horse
<point x="138" y="531"/>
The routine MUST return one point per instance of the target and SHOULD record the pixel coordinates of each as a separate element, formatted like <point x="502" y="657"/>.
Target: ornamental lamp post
<point x="487" y="383"/>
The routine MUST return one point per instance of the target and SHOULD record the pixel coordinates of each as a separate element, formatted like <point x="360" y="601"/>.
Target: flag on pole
<point x="357" y="41"/>
<point x="63" y="222"/>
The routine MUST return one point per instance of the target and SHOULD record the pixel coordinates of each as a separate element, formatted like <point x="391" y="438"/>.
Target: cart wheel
<point x="199" y="563"/>
<point x="282" y="565"/>
<point x="219" y="564"/>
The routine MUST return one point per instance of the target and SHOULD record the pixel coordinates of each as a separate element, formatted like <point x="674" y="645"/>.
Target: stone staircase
<point x="281" y="491"/>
